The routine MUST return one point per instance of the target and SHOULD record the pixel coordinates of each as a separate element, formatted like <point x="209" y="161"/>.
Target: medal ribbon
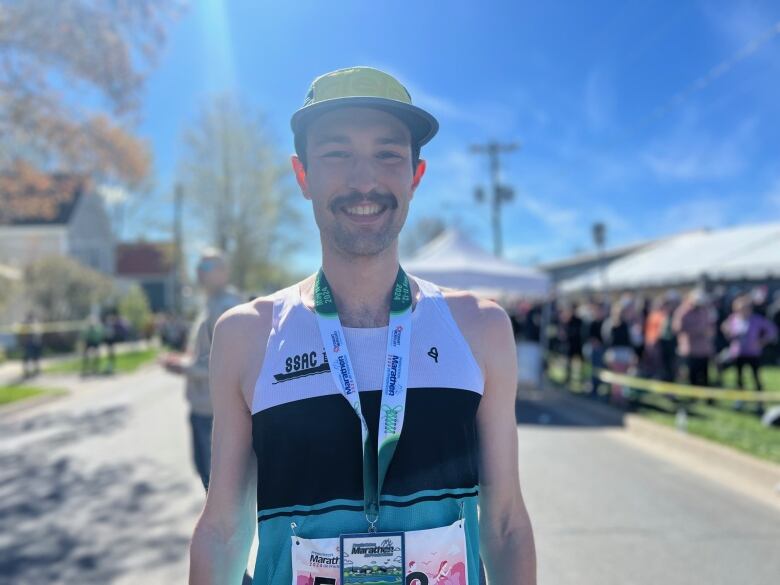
<point x="396" y="374"/>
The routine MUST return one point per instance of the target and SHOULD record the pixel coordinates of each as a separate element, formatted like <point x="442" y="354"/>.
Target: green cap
<point x="366" y="87"/>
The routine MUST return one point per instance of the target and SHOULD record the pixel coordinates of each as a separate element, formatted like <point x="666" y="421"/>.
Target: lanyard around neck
<point x="394" y="378"/>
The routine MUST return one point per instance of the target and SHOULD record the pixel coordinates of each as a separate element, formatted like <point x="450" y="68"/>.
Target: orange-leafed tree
<point x="71" y="75"/>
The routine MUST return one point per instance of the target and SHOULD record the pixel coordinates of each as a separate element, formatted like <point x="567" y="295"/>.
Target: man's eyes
<point x="389" y="155"/>
<point x="385" y="155"/>
<point x="336" y="154"/>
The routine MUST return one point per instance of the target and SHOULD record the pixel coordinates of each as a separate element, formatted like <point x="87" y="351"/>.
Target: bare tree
<point x="56" y="56"/>
<point x="424" y="230"/>
<point x="236" y="179"/>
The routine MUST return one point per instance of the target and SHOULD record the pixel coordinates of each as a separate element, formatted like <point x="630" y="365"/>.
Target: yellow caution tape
<point x="684" y="390"/>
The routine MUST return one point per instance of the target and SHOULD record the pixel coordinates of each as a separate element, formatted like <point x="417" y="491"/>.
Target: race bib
<point x="432" y="557"/>
<point x="315" y="562"/>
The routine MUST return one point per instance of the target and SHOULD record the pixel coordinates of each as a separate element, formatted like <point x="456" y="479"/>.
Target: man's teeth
<point x="364" y="209"/>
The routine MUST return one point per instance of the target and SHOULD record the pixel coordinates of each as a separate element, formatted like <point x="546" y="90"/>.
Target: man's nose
<point x="362" y="175"/>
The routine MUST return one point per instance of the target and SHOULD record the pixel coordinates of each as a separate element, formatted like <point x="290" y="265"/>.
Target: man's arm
<point x="506" y="536"/>
<point x="223" y="535"/>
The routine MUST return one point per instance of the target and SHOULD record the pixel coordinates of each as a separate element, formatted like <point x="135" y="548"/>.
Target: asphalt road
<point x="607" y="513"/>
<point x="98" y="488"/>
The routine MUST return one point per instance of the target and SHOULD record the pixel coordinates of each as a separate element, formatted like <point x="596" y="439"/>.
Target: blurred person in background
<point x="652" y="360"/>
<point x="526" y="325"/>
<point x="173" y="331"/>
<point x="759" y="297"/>
<point x="552" y="327"/>
<point x="667" y="338"/>
<point x="620" y="356"/>
<point x="722" y="308"/>
<point x="571" y="339"/>
<point x="31" y="341"/>
<point x="213" y="275"/>
<point x="773" y="314"/>
<point x="748" y="333"/>
<point x="694" y="325"/>
<point x="91" y="337"/>
<point x="113" y="333"/>
<point x="594" y="343"/>
<point x="642" y="307"/>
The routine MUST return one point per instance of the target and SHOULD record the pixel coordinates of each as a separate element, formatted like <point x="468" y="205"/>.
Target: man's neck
<point x="362" y="285"/>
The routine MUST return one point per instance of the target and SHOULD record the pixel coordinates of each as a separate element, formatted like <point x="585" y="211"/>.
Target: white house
<point x="53" y="214"/>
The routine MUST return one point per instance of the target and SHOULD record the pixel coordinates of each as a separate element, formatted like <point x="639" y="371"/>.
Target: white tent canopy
<point x="740" y="253"/>
<point x="452" y="260"/>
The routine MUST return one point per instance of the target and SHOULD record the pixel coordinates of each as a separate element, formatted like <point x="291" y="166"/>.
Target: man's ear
<point x="418" y="174"/>
<point x="300" y="175"/>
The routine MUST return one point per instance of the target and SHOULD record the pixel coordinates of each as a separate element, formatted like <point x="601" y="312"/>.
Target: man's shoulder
<point x="252" y="318"/>
<point x="248" y="319"/>
<point x="469" y="307"/>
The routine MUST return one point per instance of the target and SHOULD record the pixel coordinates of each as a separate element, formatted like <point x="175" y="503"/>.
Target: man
<point x="571" y="328"/>
<point x="213" y="277"/>
<point x="694" y="324"/>
<point x="92" y="336"/>
<point x="594" y="343"/>
<point x="283" y="365"/>
<point x="31" y="340"/>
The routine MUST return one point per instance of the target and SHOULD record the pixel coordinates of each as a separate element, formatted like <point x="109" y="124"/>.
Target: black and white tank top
<point x="307" y="438"/>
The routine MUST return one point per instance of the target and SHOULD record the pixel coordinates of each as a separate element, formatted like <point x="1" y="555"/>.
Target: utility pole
<point x="599" y="233"/>
<point x="501" y="193"/>
<point x="178" y="197"/>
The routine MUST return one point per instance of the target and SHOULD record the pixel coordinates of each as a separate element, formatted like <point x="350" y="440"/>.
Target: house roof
<point x="589" y="257"/>
<point x="29" y="197"/>
<point x="749" y="252"/>
<point x="145" y="258"/>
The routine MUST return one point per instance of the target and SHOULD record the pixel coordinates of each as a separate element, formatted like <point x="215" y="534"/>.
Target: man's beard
<point x="356" y="242"/>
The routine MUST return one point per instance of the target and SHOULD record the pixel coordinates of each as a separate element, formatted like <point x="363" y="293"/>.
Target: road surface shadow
<point x="554" y="408"/>
<point x="63" y="520"/>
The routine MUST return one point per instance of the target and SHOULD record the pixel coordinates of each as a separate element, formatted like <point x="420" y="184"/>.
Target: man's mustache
<point x="355" y="197"/>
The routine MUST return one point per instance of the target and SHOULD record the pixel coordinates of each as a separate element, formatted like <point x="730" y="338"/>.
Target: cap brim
<point x="422" y="125"/>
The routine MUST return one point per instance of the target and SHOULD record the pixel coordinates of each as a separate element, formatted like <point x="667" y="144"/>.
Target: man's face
<point x="212" y="275"/>
<point x="359" y="178"/>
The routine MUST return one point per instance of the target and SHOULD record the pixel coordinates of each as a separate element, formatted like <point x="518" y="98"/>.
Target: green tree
<point x="56" y="56"/>
<point x="239" y="185"/>
<point x="61" y="289"/>
<point x="134" y="306"/>
<point x="8" y="286"/>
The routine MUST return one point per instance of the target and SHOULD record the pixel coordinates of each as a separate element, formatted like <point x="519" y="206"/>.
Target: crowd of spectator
<point x="692" y="337"/>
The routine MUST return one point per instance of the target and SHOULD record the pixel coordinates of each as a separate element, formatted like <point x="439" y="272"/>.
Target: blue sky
<point x="654" y="117"/>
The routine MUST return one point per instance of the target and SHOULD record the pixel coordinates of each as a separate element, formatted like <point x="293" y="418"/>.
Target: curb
<point x="32" y="402"/>
<point x="55" y="391"/>
<point x="745" y="473"/>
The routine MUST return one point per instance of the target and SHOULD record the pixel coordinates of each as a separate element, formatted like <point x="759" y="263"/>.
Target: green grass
<point x="15" y="393"/>
<point x="719" y="422"/>
<point x="125" y="362"/>
<point x="770" y="378"/>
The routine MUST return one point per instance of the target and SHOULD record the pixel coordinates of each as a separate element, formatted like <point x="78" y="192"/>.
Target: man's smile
<point x="364" y="209"/>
